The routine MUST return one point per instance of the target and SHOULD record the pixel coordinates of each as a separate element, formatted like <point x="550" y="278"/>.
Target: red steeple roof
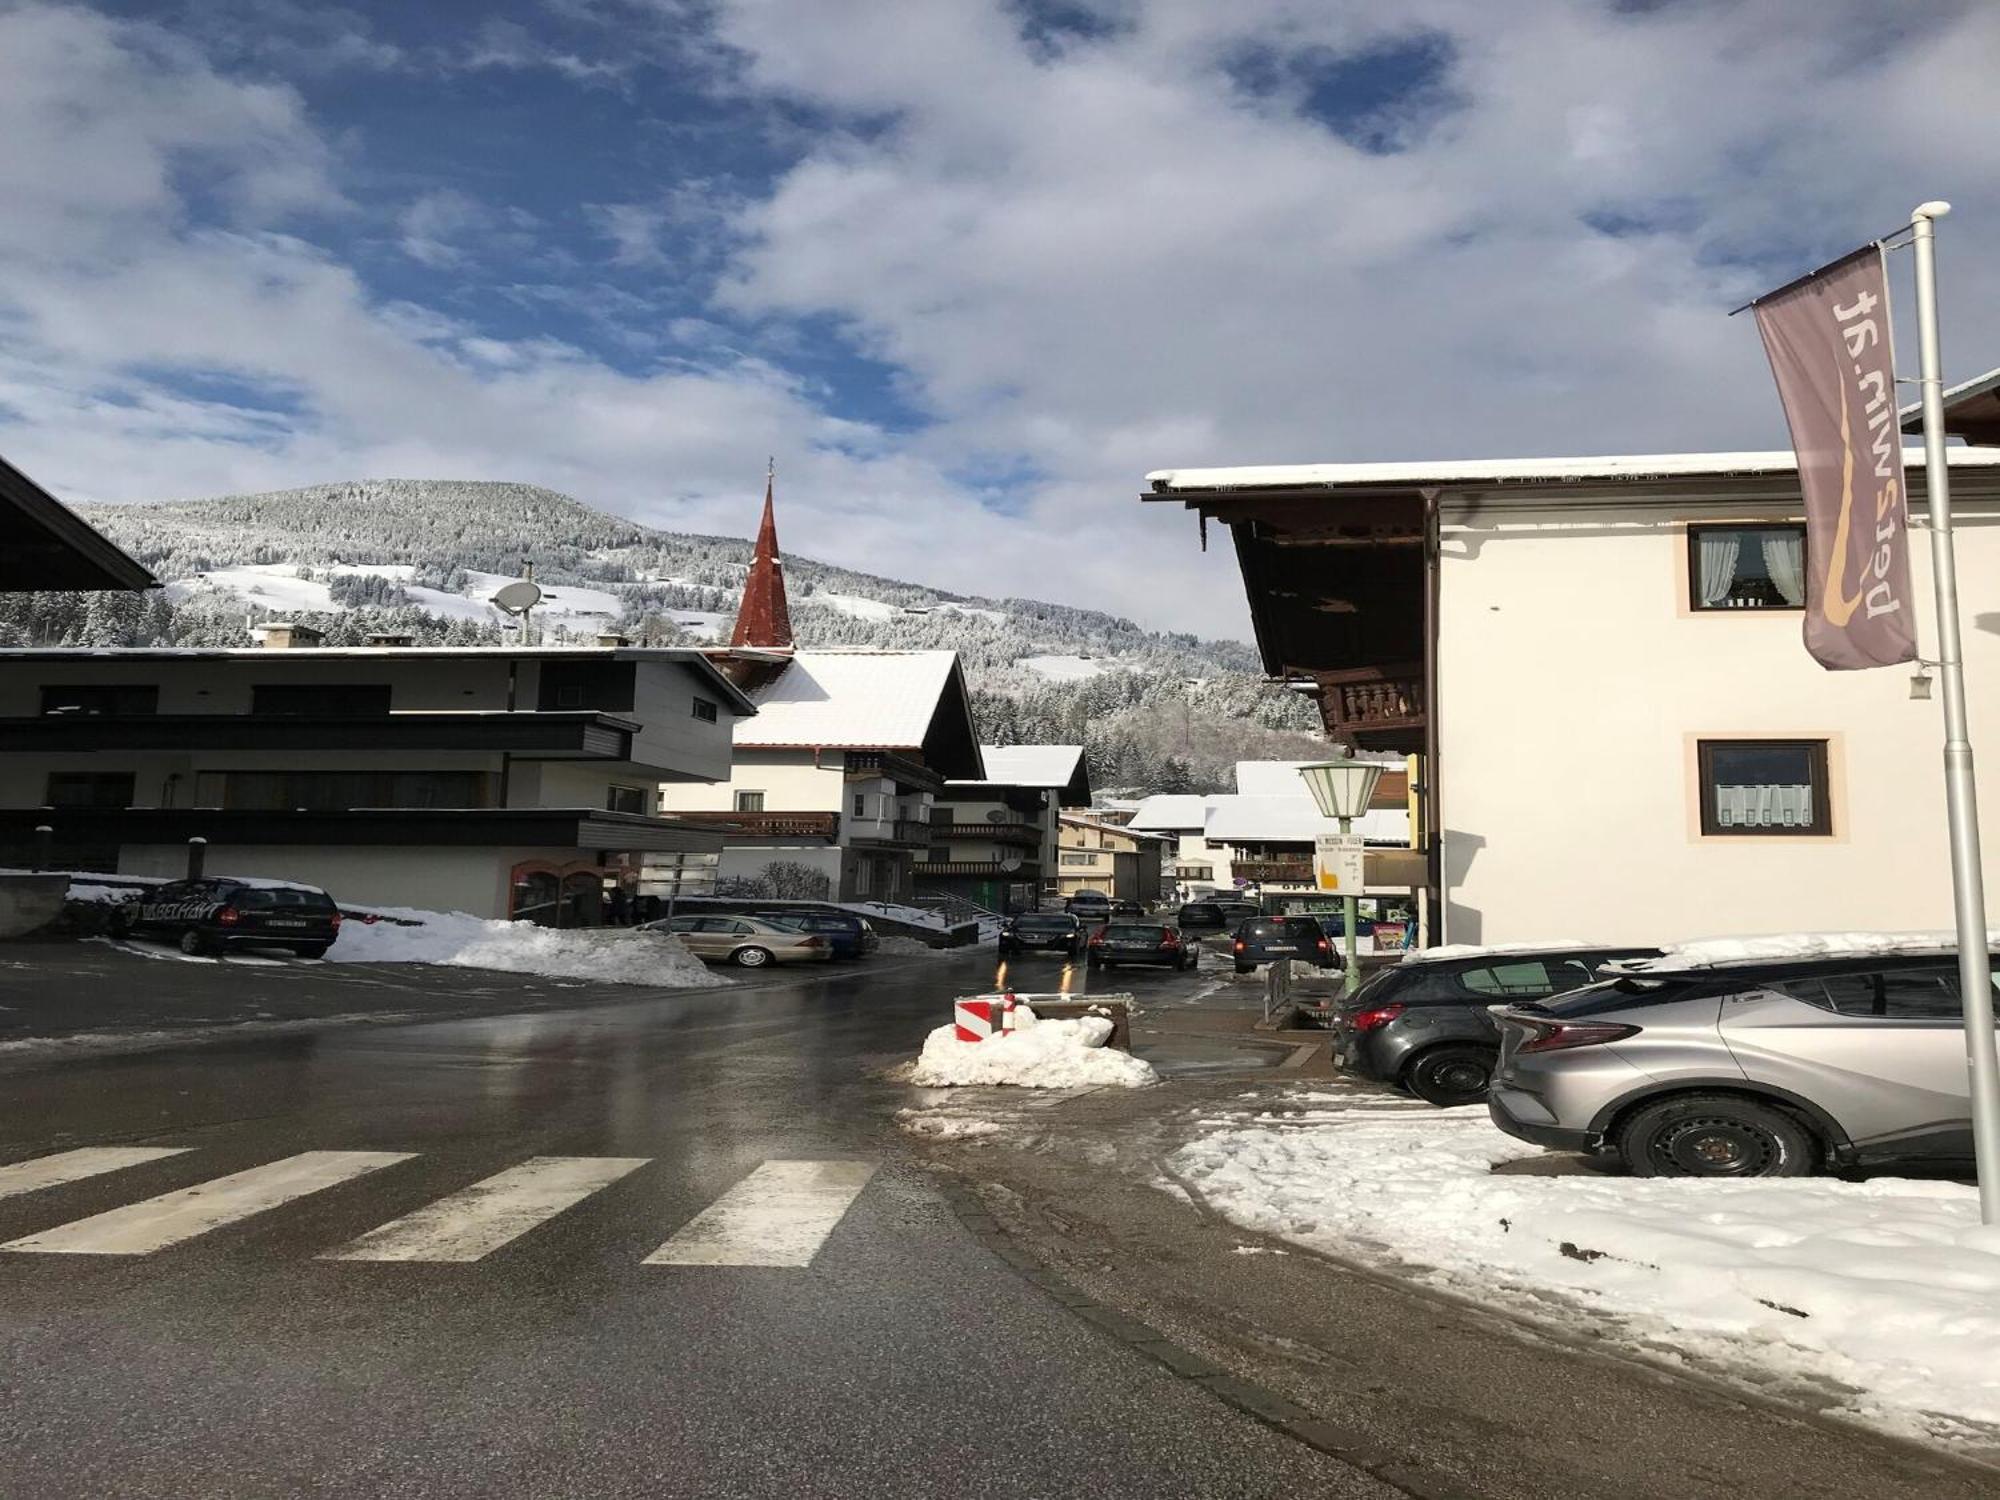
<point x="764" y="618"/>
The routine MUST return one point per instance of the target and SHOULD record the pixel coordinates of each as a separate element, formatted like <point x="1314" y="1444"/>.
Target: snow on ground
<point x="619" y="955"/>
<point x="704" y="625"/>
<point x="857" y="605"/>
<point x="567" y="609"/>
<point x="1062" y="668"/>
<point x="1884" y="1295"/>
<point x="909" y="947"/>
<point x="1036" y="1055"/>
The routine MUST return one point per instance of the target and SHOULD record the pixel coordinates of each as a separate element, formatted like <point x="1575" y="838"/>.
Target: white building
<point x="491" y="780"/>
<point x="1600" y="659"/>
<point x="850" y="753"/>
<point x="1261" y="836"/>
<point x="994" y="840"/>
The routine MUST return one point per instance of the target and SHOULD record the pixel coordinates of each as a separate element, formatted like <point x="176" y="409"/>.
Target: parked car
<point x="1141" y="943"/>
<point x="1334" y="924"/>
<point x="210" y="914"/>
<point x="750" y="942"/>
<point x="1089" y="905"/>
<point x="1746" y="1069"/>
<point x="1425" y="1024"/>
<point x="848" y="935"/>
<point x="1055" y="930"/>
<point x="1263" y="939"/>
<point x="1121" y="907"/>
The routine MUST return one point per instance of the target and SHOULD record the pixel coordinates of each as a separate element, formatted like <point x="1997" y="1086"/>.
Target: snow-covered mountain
<point x="1157" y="709"/>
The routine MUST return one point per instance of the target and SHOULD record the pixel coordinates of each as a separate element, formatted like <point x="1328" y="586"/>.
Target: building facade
<point x="994" y="842"/>
<point x="1108" y="858"/>
<point x="496" y="781"/>
<point x="1600" y="660"/>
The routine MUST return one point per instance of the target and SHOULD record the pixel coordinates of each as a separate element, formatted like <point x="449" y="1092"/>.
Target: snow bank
<point x="909" y="947"/>
<point x="1705" y="953"/>
<point x="617" y="955"/>
<point x="1037" y="1055"/>
<point x="1884" y="1295"/>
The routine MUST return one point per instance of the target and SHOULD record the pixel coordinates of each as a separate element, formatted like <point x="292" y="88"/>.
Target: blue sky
<point x="969" y="270"/>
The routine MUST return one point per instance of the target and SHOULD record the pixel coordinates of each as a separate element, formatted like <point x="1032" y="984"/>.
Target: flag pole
<point x="1961" y="799"/>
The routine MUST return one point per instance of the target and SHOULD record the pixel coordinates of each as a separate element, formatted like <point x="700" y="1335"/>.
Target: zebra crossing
<point x="780" y="1215"/>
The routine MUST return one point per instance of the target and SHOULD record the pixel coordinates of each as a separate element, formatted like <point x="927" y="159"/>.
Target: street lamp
<point x="1343" y="789"/>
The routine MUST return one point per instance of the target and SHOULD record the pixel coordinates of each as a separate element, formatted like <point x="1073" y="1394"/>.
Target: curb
<point x="1253" y="1400"/>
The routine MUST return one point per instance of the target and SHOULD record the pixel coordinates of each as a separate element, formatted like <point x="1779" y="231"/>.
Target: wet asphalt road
<point x="904" y="1360"/>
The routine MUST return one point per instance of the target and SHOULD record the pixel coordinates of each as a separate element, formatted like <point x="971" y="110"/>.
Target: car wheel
<point x="1243" y="968"/>
<point x="194" y="943"/>
<point x="1715" y="1135"/>
<point x="1447" y="1076"/>
<point x="311" y="950"/>
<point x="751" y="958"/>
<point x="119" y="923"/>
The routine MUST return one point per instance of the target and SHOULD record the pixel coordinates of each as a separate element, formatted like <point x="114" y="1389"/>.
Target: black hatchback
<point x="1055" y="931"/>
<point x="209" y="914"/>
<point x="1262" y="940"/>
<point x="1424" y="1023"/>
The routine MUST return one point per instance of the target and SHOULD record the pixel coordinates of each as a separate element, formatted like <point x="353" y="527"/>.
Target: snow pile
<point x="944" y="1127"/>
<point x="1884" y="1295"/>
<point x="909" y="916"/>
<point x="616" y="955"/>
<point x="1036" y="1055"/>
<point x="1707" y="953"/>
<point x="909" y="947"/>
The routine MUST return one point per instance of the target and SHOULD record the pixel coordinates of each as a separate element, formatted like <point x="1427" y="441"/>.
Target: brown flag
<point x="1828" y="340"/>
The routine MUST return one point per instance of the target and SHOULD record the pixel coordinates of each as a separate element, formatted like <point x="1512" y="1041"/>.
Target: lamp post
<point x="1343" y="789"/>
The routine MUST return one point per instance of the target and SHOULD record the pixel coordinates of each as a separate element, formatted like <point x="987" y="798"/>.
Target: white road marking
<point x="141" y="1228"/>
<point x="72" y="1166"/>
<point x="777" y="1216"/>
<point x="478" y="1220"/>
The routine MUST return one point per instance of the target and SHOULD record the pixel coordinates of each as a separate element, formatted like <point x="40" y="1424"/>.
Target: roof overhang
<point x="46" y="545"/>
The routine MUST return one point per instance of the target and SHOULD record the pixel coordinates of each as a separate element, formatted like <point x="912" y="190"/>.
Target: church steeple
<point x="764" y="618"/>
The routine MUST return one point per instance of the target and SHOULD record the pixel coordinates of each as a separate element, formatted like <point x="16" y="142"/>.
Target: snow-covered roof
<point x="1031" y="765"/>
<point x="1293" y="820"/>
<point x="862" y="700"/>
<point x="1513" y="470"/>
<point x="1167" y="812"/>
<point x="1280" y="778"/>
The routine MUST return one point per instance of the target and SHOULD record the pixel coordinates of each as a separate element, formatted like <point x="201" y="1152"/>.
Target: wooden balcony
<point x="982" y="869"/>
<point x="1274" y="871"/>
<point x="766" y="827"/>
<point x="1374" y="708"/>
<point x="909" y="774"/>
<point x="1027" y="835"/>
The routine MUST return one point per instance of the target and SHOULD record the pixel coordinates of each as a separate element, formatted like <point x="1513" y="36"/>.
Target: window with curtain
<point x="1764" y="787"/>
<point x="1747" y="567"/>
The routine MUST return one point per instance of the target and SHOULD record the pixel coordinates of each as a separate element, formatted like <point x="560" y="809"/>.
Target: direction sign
<point x="1339" y="862"/>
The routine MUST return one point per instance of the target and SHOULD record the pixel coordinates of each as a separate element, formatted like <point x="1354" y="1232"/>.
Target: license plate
<point x="1277" y="948"/>
<point x="280" y="922"/>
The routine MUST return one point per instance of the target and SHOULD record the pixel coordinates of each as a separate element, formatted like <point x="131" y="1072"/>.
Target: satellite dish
<point x="519" y="597"/>
<point x="1011" y="863"/>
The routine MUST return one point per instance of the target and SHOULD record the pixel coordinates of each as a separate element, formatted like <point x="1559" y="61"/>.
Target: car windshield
<point x="1044" y="924"/>
<point x="1134" y="930"/>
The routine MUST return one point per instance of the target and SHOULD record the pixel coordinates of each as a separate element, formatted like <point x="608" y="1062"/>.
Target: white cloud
<point x="1096" y="256"/>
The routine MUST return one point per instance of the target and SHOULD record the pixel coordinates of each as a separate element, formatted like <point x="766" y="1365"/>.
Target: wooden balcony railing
<point x="1274" y="871"/>
<point x="752" y="827"/>
<point x="1028" y="835"/>
<point x="1381" y="707"/>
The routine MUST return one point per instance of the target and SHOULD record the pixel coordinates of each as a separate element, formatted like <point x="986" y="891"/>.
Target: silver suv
<point x="1750" y="1069"/>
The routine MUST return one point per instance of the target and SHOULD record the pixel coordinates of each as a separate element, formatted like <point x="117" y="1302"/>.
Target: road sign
<point x="1338" y="862"/>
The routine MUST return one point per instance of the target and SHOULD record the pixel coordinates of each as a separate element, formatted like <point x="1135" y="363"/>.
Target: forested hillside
<point x="1156" y="711"/>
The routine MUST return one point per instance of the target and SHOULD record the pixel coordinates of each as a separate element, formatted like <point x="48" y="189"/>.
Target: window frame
<point x="737" y="803"/>
<point x="611" y="794"/>
<point x="1695" y="529"/>
<point x="1819" y="775"/>
<point x="706" y="710"/>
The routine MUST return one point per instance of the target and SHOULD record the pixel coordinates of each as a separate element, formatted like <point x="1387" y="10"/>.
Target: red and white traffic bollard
<point x="987" y="1016"/>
